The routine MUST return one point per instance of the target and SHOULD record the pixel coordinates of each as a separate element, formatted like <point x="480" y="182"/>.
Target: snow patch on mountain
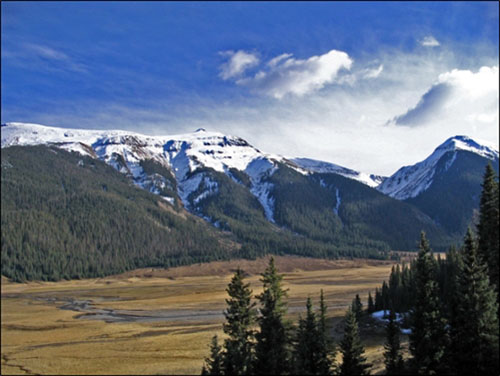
<point x="263" y="193"/>
<point x="170" y="200"/>
<point x="210" y="187"/>
<point x="313" y="165"/>
<point x="450" y="161"/>
<point x="187" y="186"/>
<point x="410" y="181"/>
<point x="337" y="204"/>
<point x="259" y="170"/>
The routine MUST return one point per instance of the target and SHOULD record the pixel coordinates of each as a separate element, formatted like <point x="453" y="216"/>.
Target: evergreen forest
<point x="450" y="305"/>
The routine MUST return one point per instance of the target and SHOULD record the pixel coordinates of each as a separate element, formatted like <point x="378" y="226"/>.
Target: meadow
<point x="156" y="321"/>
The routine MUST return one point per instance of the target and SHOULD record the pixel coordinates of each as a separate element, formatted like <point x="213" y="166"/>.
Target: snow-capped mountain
<point x="265" y="201"/>
<point x="181" y="154"/>
<point x="207" y="172"/>
<point x="313" y="165"/>
<point x="411" y="181"/>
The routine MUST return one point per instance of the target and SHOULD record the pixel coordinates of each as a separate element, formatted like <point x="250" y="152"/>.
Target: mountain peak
<point x="410" y="181"/>
<point x="461" y="142"/>
<point x="200" y="130"/>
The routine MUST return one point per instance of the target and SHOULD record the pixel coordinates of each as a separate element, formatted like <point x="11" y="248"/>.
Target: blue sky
<point x="354" y="83"/>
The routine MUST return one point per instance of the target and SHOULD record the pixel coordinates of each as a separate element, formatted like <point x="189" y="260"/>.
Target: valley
<point x="249" y="188"/>
<point x="152" y="321"/>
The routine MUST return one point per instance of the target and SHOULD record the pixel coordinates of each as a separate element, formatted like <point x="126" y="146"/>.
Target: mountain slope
<point x="453" y="197"/>
<point x="65" y="215"/>
<point x="255" y="202"/>
<point x="126" y="151"/>
<point x="410" y="181"/>
<point x="341" y="211"/>
<point x="69" y="216"/>
<point x="446" y="185"/>
<point x="313" y="165"/>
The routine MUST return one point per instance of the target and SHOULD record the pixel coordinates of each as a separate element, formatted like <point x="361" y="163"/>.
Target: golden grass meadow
<point x="155" y="321"/>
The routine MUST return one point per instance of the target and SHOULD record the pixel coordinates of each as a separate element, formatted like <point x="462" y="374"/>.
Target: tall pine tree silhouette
<point x="488" y="226"/>
<point x="326" y="352"/>
<point x="307" y="344"/>
<point x="353" y="361"/>
<point x="474" y="326"/>
<point x="429" y="338"/>
<point x="240" y="317"/>
<point x="357" y="307"/>
<point x="393" y="359"/>
<point x="272" y="353"/>
<point x="371" y="305"/>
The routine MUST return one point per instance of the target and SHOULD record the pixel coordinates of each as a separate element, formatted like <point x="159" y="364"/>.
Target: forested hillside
<point x="453" y="198"/>
<point x="65" y="215"/>
<point x="69" y="216"/>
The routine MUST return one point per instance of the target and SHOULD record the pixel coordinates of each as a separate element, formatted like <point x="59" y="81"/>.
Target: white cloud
<point x="457" y="96"/>
<point x="473" y="85"/>
<point x="429" y="41"/>
<point x="343" y="124"/>
<point x="273" y="62"/>
<point x="287" y="75"/>
<point x="42" y="57"/>
<point x="47" y="52"/>
<point x="373" y="73"/>
<point x="238" y="63"/>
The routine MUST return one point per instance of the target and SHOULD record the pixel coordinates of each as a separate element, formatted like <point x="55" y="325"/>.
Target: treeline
<point x="263" y="342"/>
<point x="451" y="304"/>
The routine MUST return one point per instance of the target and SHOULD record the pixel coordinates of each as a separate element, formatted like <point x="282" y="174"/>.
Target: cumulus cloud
<point x="429" y="41"/>
<point x="238" y="63"/>
<point x="458" y="95"/>
<point x="287" y="75"/>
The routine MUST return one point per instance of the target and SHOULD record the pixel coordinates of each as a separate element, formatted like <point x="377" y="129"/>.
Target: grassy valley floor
<point x="153" y="321"/>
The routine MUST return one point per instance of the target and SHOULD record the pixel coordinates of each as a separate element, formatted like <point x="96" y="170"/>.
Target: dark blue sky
<point x="65" y="62"/>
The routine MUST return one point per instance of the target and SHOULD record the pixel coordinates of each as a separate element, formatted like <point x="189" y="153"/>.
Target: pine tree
<point x="474" y="328"/>
<point x="453" y="265"/>
<point x="385" y="296"/>
<point x="393" y="359"/>
<point x="394" y="288"/>
<point x="353" y="361"/>
<point x="379" y="304"/>
<point x="213" y="364"/>
<point x="357" y="307"/>
<point x="308" y="345"/>
<point x="371" y="305"/>
<point x="488" y="226"/>
<point x="240" y="317"/>
<point x="408" y="286"/>
<point x="271" y="351"/>
<point x="326" y="353"/>
<point x="428" y="339"/>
